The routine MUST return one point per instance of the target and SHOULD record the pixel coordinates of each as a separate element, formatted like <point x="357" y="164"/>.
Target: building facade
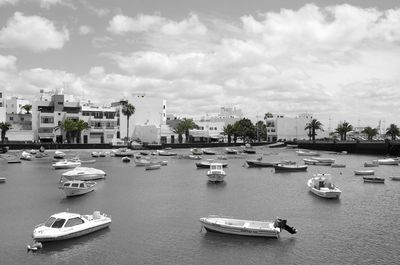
<point x="2" y="105"/>
<point x="282" y="128"/>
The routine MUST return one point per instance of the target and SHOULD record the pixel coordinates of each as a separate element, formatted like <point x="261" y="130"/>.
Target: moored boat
<point x="374" y="163"/>
<point x="3" y="180"/>
<point x="321" y="185"/>
<point x="208" y="151"/>
<point x="374" y="179"/>
<point x="364" y="172"/>
<point x="77" y="187"/>
<point x="59" y="154"/>
<point x="395" y="178"/>
<point x="65" y="225"/>
<point x="84" y="173"/>
<point x="306" y="153"/>
<point x="126" y="159"/>
<point x="231" y="151"/>
<point x="123" y="152"/>
<point x="207" y="163"/>
<point x="290" y="168"/>
<point x="64" y="164"/>
<point x="196" y="151"/>
<point x="309" y="161"/>
<point x="335" y="165"/>
<point x="26" y="156"/>
<point x="95" y="154"/>
<point x="245" y="227"/>
<point x="388" y="161"/>
<point x="259" y="163"/>
<point x="152" y="166"/>
<point x="166" y="153"/>
<point x="216" y="173"/>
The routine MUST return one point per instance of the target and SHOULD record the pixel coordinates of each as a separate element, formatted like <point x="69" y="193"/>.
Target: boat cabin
<point x="74" y="184"/>
<point x="322" y="182"/>
<point x="216" y="167"/>
<point x="61" y="220"/>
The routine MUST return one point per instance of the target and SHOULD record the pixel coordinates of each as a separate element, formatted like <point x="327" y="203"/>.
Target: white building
<point x="15" y="104"/>
<point x="280" y="127"/>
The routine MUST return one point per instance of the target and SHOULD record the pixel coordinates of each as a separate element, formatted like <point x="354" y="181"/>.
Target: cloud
<point x="47" y="4"/>
<point x="85" y="30"/>
<point x="8" y="2"/>
<point x="7" y="63"/>
<point x="33" y="33"/>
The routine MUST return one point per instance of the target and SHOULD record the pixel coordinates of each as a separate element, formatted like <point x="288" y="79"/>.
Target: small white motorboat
<point x="308" y="161"/>
<point x="245" y="227"/>
<point x="208" y="151"/>
<point x="388" y="161"/>
<point x="216" y="172"/>
<point x="66" y="225"/>
<point x="321" y="185"/>
<point x="26" y="156"/>
<point x="364" y="172"/>
<point x="59" y="154"/>
<point x="397" y="178"/>
<point x="324" y="160"/>
<point x="306" y="153"/>
<point x="166" y="153"/>
<point x="65" y="164"/>
<point x="77" y="187"/>
<point x="84" y="173"/>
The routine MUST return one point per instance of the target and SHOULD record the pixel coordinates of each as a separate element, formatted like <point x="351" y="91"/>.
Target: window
<point x="81" y="185"/>
<point x="22" y="119"/>
<point x="66" y="184"/>
<point x="47" y="120"/>
<point x="11" y="118"/>
<point x="1" y="104"/>
<point x="1" y="95"/>
<point x="74" y="221"/>
<point x="58" y="223"/>
<point x="75" y="185"/>
<point x="49" y="222"/>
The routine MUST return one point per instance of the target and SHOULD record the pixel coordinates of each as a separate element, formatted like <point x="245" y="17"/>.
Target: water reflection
<point x="216" y="185"/>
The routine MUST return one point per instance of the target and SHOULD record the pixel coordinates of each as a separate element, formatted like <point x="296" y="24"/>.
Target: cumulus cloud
<point x="8" y="62"/>
<point x="85" y="30"/>
<point x="32" y="33"/>
<point x="8" y="2"/>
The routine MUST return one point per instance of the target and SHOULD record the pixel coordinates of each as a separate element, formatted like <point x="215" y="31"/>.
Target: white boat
<point x="207" y="163"/>
<point x="208" y="151"/>
<point x="2" y="180"/>
<point x="324" y="160"/>
<point x="308" y="161"/>
<point x="59" y="154"/>
<point x="122" y="152"/>
<point x="26" y="156"/>
<point x="307" y="153"/>
<point x="66" y="225"/>
<point x="321" y="185"/>
<point x="195" y="157"/>
<point x="335" y="165"/>
<point x="388" y="161"/>
<point x="77" y="187"/>
<point x="216" y="172"/>
<point x="152" y="166"/>
<point x="64" y="164"/>
<point x="84" y="173"/>
<point x="364" y="172"/>
<point x="126" y="159"/>
<point x="245" y="227"/>
<point x="196" y="151"/>
<point x="231" y="151"/>
<point x="95" y="154"/>
<point x="141" y="162"/>
<point x="166" y="153"/>
<point x="395" y="178"/>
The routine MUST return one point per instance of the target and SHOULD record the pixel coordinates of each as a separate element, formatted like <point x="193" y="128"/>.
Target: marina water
<point x="156" y="213"/>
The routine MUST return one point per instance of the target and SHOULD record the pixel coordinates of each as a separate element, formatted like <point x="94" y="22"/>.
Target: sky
<point x="338" y="60"/>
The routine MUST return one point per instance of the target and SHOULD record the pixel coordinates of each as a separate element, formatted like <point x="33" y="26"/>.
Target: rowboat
<point x="306" y="153"/>
<point x="308" y="161"/>
<point x="364" y="172"/>
<point x="245" y="227"/>
<point x="395" y="178"/>
<point x="388" y="161"/>
<point x="152" y="166"/>
<point x="290" y="168"/>
<point x="374" y="179"/>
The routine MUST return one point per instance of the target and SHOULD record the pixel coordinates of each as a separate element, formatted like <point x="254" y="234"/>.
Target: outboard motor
<point x="282" y="224"/>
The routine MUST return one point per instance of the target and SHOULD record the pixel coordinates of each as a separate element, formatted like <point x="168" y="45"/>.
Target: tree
<point x="4" y="126"/>
<point x="67" y="126"/>
<point x="312" y="127"/>
<point x="188" y="124"/>
<point x="80" y="126"/>
<point x="261" y="131"/>
<point x="343" y="129"/>
<point x="370" y="132"/>
<point x="393" y="131"/>
<point x="229" y="131"/>
<point x="128" y="110"/>
<point x="179" y="130"/>
<point x="245" y="129"/>
<point x="27" y="108"/>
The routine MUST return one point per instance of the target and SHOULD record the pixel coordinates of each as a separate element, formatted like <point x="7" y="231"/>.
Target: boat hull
<point x="254" y="163"/>
<point x="374" y="180"/>
<point x="225" y="228"/>
<point x="288" y="168"/>
<point x="215" y="177"/>
<point x="364" y="172"/>
<point x="327" y="193"/>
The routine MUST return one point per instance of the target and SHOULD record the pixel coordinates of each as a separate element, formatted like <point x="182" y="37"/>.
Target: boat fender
<point x="34" y="247"/>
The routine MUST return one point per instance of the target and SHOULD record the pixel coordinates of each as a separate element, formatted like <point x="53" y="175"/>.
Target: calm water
<point x="156" y="214"/>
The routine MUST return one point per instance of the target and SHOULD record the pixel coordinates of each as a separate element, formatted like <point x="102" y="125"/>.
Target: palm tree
<point x="343" y="129"/>
<point x="188" y="124"/>
<point x="370" y="132"/>
<point x="393" y="131"/>
<point x="229" y="131"/>
<point x="67" y="126"/>
<point x="261" y="131"/>
<point x="179" y="130"/>
<point x="4" y="126"/>
<point x="128" y="110"/>
<point x="313" y="126"/>
<point x="80" y="126"/>
<point x="27" y="108"/>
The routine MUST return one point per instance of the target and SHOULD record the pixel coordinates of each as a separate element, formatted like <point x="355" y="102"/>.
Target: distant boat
<point x="95" y="154"/>
<point x="126" y="159"/>
<point x="308" y="161"/>
<point x="84" y="173"/>
<point x="2" y="180"/>
<point x="290" y="168"/>
<point x="216" y="173"/>
<point x="208" y="151"/>
<point x="26" y="156"/>
<point x="196" y="151"/>
<point x="276" y="145"/>
<point x="374" y="163"/>
<point x="122" y="152"/>
<point x="307" y="153"/>
<point x="141" y="162"/>
<point x="260" y="163"/>
<point x="59" y="154"/>
<point x="231" y="151"/>
<point x="321" y="185"/>
<point x="77" y="187"/>
<point x="245" y="227"/>
<point x="374" y="179"/>
<point x="64" y="164"/>
<point x="334" y="165"/>
<point x="388" y="161"/>
<point x="364" y="172"/>
<point x="152" y="166"/>
<point x="206" y="164"/>
<point x="395" y="178"/>
<point x="166" y="153"/>
<point x="248" y="149"/>
<point x="292" y="146"/>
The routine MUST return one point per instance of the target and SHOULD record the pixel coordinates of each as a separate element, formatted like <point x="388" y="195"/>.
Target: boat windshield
<point x="58" y="223"/>
<point x="49" y="221"/>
